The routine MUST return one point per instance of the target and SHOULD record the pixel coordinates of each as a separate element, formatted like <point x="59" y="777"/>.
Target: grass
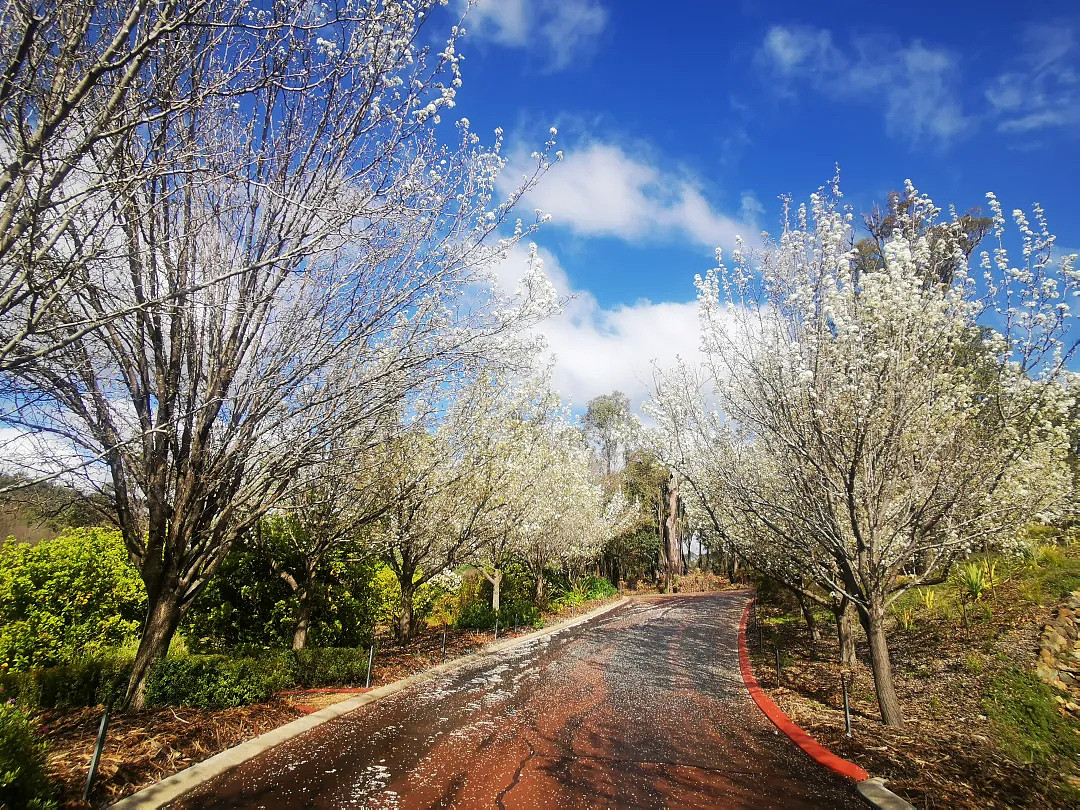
<point x="1026" y="723"/>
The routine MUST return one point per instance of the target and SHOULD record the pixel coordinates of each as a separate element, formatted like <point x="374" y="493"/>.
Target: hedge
<point x="200" y="681"/>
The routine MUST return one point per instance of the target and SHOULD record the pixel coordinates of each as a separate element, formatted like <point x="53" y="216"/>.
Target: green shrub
<point x="216" y="681"/>
<point x="1025" y="718"/>
<point x="23" y="783"/>
<point x="87" y="682"/>
<point x="65" y="598"/>
<point x="329" y="666"/>
<point x="597" y="588"/>
<point x="479" y="616"/>
<point x="246" y="606"/>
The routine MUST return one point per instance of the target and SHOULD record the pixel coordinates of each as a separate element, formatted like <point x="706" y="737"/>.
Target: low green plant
<point x="216" y="681"/>
<point x="1025" y="720"/>
<point x="89" y="681"/>
<point x="906" y="619"/>
<point x="23" y="780"/>
<point x="973" y="663"/>
<point x="929" y="600"/>
<point x="971" y="578"/>
<point x="1049" y="555"/>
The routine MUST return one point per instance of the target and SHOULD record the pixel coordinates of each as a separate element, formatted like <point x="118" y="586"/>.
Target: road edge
<point x="871" y="790"/>
<point x="172" y="787"/>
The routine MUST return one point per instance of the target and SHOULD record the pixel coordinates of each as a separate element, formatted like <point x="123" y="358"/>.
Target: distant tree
<point x="610" y="426"/>
<point x="961" y="235"/>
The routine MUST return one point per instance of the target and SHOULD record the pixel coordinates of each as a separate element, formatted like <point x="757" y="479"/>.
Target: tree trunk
<point x="162" y="618"/>
<point x="540" y="588"/>
<point x="672" y="542"/>
<point x="872" y="619"/>
<point x="845" y="632"/>
<point x="406" y="627"/>
<point x="808" y="616"/>
<point x="496" y="582"/>
<point x="303" y="618"/>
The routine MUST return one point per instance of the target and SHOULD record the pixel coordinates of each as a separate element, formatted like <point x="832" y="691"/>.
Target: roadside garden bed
<point x="981" y="730"/>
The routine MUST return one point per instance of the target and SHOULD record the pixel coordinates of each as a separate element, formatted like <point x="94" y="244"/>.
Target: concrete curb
<point x="874" y="793"/>
<point x="172" y="787"/>
<point x="871" y="790"/>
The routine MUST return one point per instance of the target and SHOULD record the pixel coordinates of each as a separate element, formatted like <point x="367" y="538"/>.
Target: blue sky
<point x="682" y="122"/>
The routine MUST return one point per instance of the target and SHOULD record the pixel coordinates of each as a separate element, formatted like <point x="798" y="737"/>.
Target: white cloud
<point x="1042" y="88"/>
<point x="38" y="455"/>
<point x="562" y="31"/>
<point x="601" y="190"/>
<point x="598" y="350"/>
<point x="916" y="82"/>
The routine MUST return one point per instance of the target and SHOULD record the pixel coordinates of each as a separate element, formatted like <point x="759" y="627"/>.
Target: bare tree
<point x="300" y="251"/>
<point x="73" y="85"/>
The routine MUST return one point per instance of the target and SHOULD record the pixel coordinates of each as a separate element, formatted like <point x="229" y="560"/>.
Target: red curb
<point x="816" y="750"/>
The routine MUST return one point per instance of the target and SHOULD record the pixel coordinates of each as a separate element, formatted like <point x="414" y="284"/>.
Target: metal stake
<point x="370" y="662"/>
<point x="97" y="753"/>
<point x="777" y="649"/>
<point x="443" y="656"/>
<point x="847" y="706"/>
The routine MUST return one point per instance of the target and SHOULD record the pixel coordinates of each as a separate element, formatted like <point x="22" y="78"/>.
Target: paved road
<point x="641" y="708"/>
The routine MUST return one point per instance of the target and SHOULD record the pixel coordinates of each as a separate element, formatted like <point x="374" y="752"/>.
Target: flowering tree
<point x="898" y="418"/>
<point x="291" y="255"/>
<point x="610" y="425"/>
<point x="449" y="484"/>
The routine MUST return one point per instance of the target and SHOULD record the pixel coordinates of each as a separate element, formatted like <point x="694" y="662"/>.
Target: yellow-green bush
<point x="66" y="598"/>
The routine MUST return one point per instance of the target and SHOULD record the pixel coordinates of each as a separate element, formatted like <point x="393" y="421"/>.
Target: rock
<point x="1067" y="678"/>
<point x="1057" y="642"/>
<point x="1047" y="657"/>
<point x="1046" y="674"/>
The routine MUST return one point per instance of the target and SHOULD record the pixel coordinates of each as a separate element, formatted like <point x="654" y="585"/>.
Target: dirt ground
<point x="945" y="754"/>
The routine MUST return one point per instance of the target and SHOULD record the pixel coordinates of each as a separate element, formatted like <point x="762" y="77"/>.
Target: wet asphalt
<point x="642" y="707"/>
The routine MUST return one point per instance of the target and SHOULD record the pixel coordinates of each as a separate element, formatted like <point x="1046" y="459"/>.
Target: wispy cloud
<point x="915" y="83"/>
<point x="562" y="32"/>
<point x="601" y="189"/>
<point x="1042" y="88"/>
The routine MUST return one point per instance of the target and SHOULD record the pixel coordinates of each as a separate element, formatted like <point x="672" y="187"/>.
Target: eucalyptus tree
<point x="898" y="420"/>
<point x="611" y="425"/>
<point x="298" y="244"/>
